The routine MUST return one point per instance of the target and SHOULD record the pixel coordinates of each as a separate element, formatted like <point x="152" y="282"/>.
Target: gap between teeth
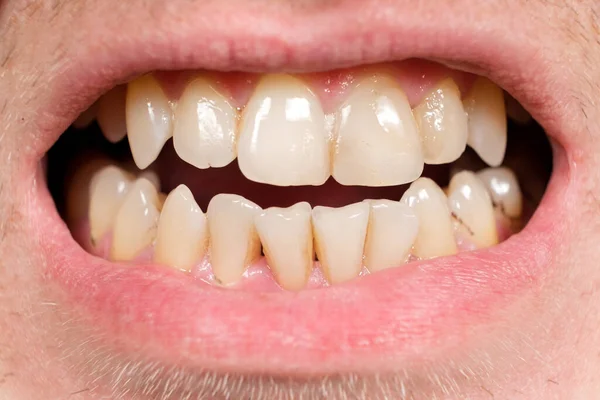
<point x="372" y="235"/>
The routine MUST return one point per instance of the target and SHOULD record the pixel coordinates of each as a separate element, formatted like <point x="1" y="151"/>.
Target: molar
<point x="392" y="230"/>
<point x="111" y="114"/>
<point x="282" y="138"/>
<point x="136" y="221"/>
<point x="340" y="239"/>
<point x="436" y="235"/>
<point x="487" y="121"/>
<point x="503" y="187"/>
<point x="234" y="243"/>
<point x="204" y="127"/>
<point x="377" y="142"/>
<point x="443" y="124"/>
<point x="182" y="233"/>
<point x="108" y="189"/>
<point x="472" y="207"/>
<point x="149" y="120"/>
<point x="286" y="237"/>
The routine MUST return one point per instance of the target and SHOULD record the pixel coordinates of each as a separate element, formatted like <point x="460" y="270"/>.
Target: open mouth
<point x="278" y="181"/>
<point x="305" y="214"/>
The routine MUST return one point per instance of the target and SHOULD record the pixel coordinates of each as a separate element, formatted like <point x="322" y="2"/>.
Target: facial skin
<point x="541" y="344"/>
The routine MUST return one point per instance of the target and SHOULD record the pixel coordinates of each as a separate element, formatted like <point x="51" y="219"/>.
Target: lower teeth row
<point x="132" y="220"/>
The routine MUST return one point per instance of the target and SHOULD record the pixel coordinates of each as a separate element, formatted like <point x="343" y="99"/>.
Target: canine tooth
<point x="182" y="232"/>
<point x="136" y="221"/>
<point x="487" y="121"/>
<point x="436" y="236"/>
<point x="472" y="207"/>
<point x="443" y="124"/>
<point x="377" y="143"/>
<point x="282" y="138"/>
<point x="286" y="237"/>
<point x="111" y="114"/>
<point x="234" y="243"/>
<point x="503" y="188"/>
<point x="149" y="120"/>
<point x="204" y="127"/>
<point x="340" y="239"/>
<point x="392" y="230"/>
<point x="108" y="189"/>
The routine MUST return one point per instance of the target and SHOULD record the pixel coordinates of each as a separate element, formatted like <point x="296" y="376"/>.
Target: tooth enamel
<point x="286" y="237"/>
<point x="516" y="112"/>
<point x="86" y="117"/>
<point x="152" y="177"/>
<point x="340" y="239"/>
<point x="108" y="189"/>
<point x="282" y="138"/>
<point x="503" y="188"/>
<point x="392" y="230"/>
<point x="149" y="120"/>
<point x="470" y="203"/>
<point x="436" y="236"/>
<point x="111" y="114"/>
<point x="377" y="142"/>
<point x="234" y="243"/>
<point x="487" y="121"/>
<point x="182" y="233"/>
<point x="443" y="124"/>
<point x="136" y="221"/>
<point x="205" y="126"/>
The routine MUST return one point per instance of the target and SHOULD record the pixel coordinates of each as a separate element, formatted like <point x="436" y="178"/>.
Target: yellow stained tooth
<point x="504" y="189"/>
<point x="472" y="206"/>
<point x="377" y="142"/>
<point x="340" y="239"/>
<point x="108" y="189"/>
<point x="136" y="221"/>
<point x="182" y="234"/>
<point x="149" y="119"/>
<point x="205" y="126"/>
<point x="487" y="121"/>
<point x="286" y="237"/>
<point x="234" y="243"/>
<point x="282" y="139"/>
<point x="111" y="114"/>
<point x="436" y="234"/>
<point x="393" y="228"/>
<point x="443" y="124"/>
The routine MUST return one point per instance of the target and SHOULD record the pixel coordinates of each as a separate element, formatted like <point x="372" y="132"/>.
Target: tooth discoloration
<point x="504" y="189"/>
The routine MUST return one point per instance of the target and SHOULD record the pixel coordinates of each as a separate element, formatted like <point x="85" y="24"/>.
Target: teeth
<point x="136" y="221"/>
<point x="182" y="231"/>
<point x="487" y="121"/>
<point x="516" y="112"/>
<point x="282" y="139"/>
<point x="205" y="124"/>
<point x="436" y="236"/>
<point x="443" y="124"/>
<point x="87" y="117"/>
<point x="392" y="230"/>
<point x="503" y="187"/>
<point x="472" y="207"/>
<point x="108" y="189"/>
<point x="286" y="236"/>
<point x="340" y="239"/>
<point x="234" y="243"/>
<point x="149" y="120"/>
<point x="378" y="143"/>
<point x="111" y="114"/>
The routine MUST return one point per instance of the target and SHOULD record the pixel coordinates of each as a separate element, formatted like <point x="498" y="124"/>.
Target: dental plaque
<point x="295" y="181"/>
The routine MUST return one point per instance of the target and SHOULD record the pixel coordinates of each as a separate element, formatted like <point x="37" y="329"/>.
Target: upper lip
<point x="400" y="313"/>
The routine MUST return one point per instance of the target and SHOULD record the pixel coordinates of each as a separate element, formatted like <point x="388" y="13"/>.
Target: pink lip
<point x="403" y="316"/>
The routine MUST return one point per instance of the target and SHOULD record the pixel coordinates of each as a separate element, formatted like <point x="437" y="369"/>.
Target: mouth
<point x="299" y="217"/>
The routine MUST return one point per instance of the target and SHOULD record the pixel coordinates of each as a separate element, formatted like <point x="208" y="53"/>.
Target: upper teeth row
<point x="376" y="234"/>
<point x="283" y="136"/>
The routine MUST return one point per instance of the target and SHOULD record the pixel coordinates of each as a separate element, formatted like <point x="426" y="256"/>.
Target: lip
<point x="405" y="316"/>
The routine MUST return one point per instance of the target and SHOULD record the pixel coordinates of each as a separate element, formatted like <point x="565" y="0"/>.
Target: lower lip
<point x="401" y="315"/>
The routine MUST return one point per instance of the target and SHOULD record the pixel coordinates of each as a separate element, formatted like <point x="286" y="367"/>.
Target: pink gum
<point x="415" y="77"/>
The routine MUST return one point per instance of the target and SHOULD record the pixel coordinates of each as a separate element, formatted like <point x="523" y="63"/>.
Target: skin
<point x="548" y="336"/>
